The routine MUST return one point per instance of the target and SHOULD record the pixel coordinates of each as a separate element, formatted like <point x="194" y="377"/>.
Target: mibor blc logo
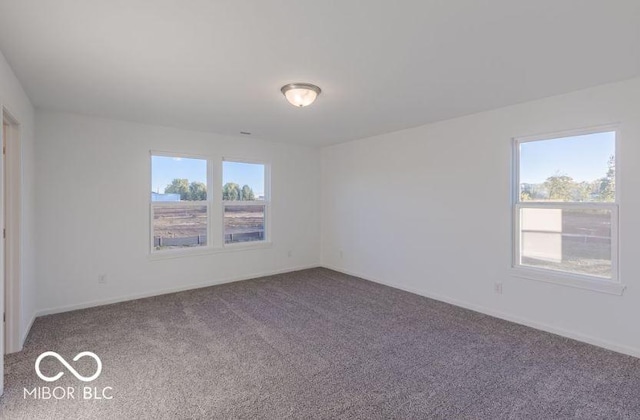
<point x="68" y="366"/>
<point x="69" y="392"/>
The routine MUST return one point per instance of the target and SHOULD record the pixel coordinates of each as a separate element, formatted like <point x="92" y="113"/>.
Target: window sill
<point x="194" y="252"/>
<point x="570" y="280"/>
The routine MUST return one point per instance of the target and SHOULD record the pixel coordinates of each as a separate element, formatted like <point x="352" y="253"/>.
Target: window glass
<point x="569" y="169"/>
<point x="243" y="181"/>
<point x="179" y="207"/>
<point x="179" y="226"/>
<point x="571" y="240"/>
<point x="243" y="223"/>
<point x="566" y="211"/>
<point x="178" y="179"/>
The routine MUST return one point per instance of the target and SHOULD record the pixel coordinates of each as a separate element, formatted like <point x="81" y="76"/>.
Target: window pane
<point x="576" y="240"/>
<point x="243" y="224"/>
<point x="178" y="179"/>
<point x="571" y="169"/>
<point x="242" y="181"/>
<point x="179" y="226"/>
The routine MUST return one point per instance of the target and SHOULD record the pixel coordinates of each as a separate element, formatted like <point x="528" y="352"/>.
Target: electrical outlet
<point x="290" y="253"/>
<point x="497" y="287"/>
<point x="102" y="279"/>
<point x="341" y="254"/>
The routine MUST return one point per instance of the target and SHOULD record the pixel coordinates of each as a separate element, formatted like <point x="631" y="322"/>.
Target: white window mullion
<point x="215" y="189"/>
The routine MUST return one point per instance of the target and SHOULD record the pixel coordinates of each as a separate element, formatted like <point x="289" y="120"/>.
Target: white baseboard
<point x="630" y="351"/>
<point x="25" y="333"/>
<point x="109" y="301"/>
<point x="471" y="306"/>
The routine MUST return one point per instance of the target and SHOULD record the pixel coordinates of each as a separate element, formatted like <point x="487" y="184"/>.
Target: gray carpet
<point x="316" y="344"/>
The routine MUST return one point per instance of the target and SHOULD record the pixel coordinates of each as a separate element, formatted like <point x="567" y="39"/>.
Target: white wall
<point x="15" y="100"/>
<point x="93" y="211"/>
<point x="404" y="209"/>
<point x="400" y="208"/>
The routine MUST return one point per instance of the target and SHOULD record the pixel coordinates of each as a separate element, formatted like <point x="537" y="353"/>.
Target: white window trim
<point x="215" y="242"/>
<point x="582" y="281"/>
<point x="266" y="203"/>
<point x="206" y="250"/>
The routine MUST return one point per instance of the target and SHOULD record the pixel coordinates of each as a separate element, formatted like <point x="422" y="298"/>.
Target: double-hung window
<point x="566" y="209"/>
<point x="245" y="201"/>
<point x="180" y="202"/>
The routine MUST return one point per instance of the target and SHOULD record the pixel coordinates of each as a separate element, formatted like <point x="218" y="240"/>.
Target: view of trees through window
<point x="188" y="191"/>
<point x="567" y="204"/>
<point x="562" y="187"/>
<point x="179" y="188"/>
<point x="232" y="192"/>
<point x="246" y="222"/>
<point x="181" y="207"/>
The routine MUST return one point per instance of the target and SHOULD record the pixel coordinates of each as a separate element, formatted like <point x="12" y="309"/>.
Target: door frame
<point x="11" y="210"/>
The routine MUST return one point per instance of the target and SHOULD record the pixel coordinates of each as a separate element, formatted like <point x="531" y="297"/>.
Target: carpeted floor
<point x="315" y="344"/>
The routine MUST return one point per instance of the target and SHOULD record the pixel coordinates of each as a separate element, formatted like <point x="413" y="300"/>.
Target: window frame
<point x="611" y="285"/>
<point x="266" y="202"/>
<point x="153" y="204"/>
<point x="215" y="213"/>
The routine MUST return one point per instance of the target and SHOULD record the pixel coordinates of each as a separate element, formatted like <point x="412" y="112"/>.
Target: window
<point x="180" y="205"/>
<point x="245" y="201"/>
<point x="566" y="210"/>
<point x="182" y="217"/>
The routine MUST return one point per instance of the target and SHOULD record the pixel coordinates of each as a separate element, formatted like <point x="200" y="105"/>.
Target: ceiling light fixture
<point x="300" y="94"/>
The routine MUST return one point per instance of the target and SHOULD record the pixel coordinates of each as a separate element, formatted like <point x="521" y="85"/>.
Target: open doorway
<point x="10" y="193"/>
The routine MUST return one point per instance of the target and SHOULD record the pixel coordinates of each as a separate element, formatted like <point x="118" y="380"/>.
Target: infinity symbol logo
<point x="68" y="366"/>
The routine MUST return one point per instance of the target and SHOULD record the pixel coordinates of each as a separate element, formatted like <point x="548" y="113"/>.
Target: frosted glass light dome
<point x="300" y="94"/>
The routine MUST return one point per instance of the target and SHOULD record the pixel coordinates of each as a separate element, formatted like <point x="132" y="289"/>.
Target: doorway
<point x="10" y="210"/>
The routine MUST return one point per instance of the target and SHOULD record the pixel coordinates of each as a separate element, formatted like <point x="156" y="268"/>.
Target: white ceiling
<point x="383" y="65"/>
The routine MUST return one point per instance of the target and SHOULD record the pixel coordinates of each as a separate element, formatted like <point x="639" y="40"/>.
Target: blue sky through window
<point x="251" y="174"/>
<point x="165" y="169"/>
<point x="584" y="158"/>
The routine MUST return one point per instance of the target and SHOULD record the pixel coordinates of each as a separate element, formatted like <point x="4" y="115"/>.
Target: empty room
<point x="320" y="209"/>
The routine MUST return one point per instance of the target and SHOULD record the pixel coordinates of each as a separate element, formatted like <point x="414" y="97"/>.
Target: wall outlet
<point x="497" y="287"/>
<point x="289" y="254"/>
<point x="341" y="254"/>
<point x="102" y="279"/>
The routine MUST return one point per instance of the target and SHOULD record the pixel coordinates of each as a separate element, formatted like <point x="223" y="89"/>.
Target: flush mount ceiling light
<point x="300" y="94"/>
